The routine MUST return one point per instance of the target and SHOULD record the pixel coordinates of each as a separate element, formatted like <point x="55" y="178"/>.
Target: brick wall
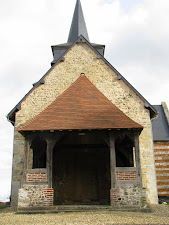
<point x="114" y="195"/>
<point x="36" y="177"/>
<point x="35" y="195"/>
<point x="161" y="151"/>
<point x="126" y="175"/>
<point x="49" y="194"/>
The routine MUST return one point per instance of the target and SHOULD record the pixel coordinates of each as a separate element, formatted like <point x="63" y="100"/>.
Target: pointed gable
<point x="11" y="114"/>
<point x="81" y="106"/>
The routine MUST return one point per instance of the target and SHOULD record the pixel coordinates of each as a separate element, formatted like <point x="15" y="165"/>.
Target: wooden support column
<point x="112" y="160"/>
<point x="137" y="157"/>
<point x="49" y="160"/>
<point x="51" y="139"/>
<point x="27" y="146"/>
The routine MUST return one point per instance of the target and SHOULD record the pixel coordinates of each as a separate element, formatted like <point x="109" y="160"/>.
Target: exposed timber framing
<point x="112" y="159"/>
<point x="51" y="139"/>
<point x="137" y="156"/>
<point x="27" y="146"/>
<point x="49" y="160"/>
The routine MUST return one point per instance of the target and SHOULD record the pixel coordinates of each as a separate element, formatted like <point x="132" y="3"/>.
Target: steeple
<point x="78" y="26"/>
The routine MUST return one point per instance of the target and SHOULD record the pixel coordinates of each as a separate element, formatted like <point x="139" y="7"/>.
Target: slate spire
<point x="78" y="26"/>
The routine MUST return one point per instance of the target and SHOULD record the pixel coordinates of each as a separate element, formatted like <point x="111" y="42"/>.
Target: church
<point x="83" y="133"/>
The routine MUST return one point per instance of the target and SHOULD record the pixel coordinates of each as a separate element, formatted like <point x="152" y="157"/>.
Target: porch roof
<point x="81" y="106"/>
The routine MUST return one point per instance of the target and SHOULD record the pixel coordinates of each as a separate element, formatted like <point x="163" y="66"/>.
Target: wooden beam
<point x="106" y="139"/>
<point x="104" y="136"/>
<point x="137" y="156"/>
<point x="112" y="159"/>
<point x="27" y="146"/>
<point x="48" y="164"/>
<point x="51" y="138"/>
<point x="49" y="160"/>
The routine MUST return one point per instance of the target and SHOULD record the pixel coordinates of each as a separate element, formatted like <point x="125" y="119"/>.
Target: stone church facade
<point x="83" y="133"/>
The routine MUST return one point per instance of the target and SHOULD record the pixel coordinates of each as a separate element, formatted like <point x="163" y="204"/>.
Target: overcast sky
<point x="135" y="32"/>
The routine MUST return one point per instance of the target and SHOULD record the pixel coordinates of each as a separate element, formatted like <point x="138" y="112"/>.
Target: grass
<point x="6" y="205"/>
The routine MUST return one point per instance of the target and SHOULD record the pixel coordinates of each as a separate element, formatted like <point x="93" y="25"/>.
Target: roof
<point x="81" y="106"/>
<point x="160" y="125"/>
<point x="78" y="26"/>
<point x="68" y="44"/>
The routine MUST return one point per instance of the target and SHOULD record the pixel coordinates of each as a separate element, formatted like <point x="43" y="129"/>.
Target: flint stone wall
<point x="35" y="195"/>
<point x="128" y="195"/>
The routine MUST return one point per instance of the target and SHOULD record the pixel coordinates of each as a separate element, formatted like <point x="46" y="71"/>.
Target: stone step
<point x="77" y="208"/>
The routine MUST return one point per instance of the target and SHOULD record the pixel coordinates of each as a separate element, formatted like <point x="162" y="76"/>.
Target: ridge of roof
<point x="80" y="106"/>
<point x="153" y="111"/>
<point x="78" y="26"/>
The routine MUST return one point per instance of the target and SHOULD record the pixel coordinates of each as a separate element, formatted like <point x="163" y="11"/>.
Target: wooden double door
<point x="80" y="176"/>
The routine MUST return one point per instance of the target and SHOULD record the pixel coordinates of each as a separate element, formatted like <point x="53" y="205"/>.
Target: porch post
<point x="51" y="139"/>
<point x="49" y="161"/>
<point x="112" y="160"/>
<point x="137" y="156"/>
<point x="27" y="140"/>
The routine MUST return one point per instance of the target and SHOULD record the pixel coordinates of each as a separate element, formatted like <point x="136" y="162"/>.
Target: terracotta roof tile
<point x="81" y="106"/>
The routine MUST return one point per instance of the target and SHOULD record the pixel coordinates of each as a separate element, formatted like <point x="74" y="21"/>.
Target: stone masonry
<point x="35" y="195"/>
<point x="82" y="59"/>
<point x="128" y="195"/>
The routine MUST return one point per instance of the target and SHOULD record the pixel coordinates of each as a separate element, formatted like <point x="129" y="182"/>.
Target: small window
<point x="38" y="155"/>
<point x="124" y="151"/>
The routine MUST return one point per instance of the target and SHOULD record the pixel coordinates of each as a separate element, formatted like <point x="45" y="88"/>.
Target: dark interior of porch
<point x="81" y="169"/>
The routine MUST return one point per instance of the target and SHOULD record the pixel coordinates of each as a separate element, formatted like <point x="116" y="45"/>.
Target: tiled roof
<point x="81" y="106"/>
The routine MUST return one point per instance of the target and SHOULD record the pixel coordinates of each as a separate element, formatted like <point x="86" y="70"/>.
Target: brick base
<point x="35" y="195"/>
<point x="41" y="196"/>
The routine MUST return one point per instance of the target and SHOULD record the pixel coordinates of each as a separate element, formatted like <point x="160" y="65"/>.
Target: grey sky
<point x="135" y="32"/>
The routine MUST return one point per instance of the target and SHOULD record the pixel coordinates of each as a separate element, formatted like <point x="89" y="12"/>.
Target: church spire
<point x="78" y="26"/>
